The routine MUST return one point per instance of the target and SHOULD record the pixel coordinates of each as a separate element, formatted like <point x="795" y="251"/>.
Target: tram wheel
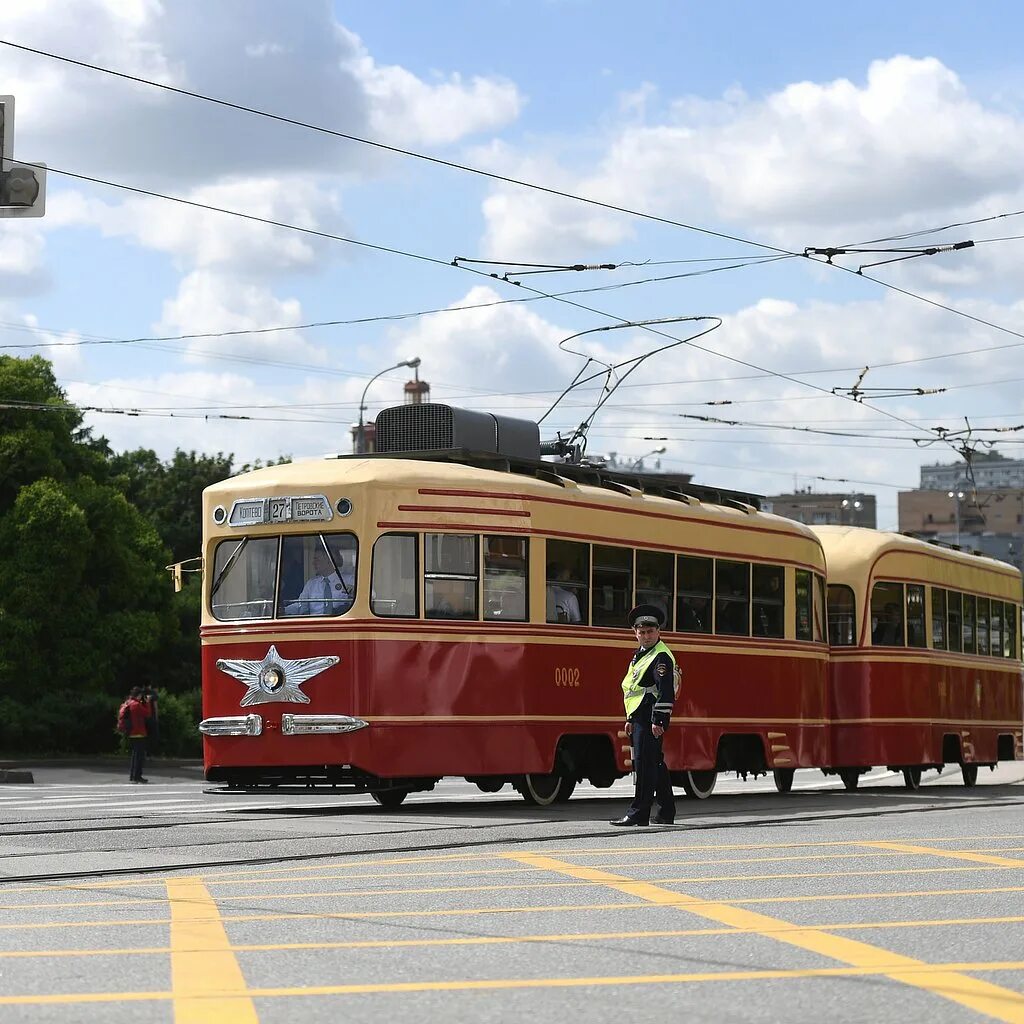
<point x="784" y="779"/>
<point x="390" y="798"/>
<point x="970" y="774"/>
<point x="850" y="777"/>
<point x="700" y="785"/>
<point x="912" y="778"/>
<point x="545" y="790"/>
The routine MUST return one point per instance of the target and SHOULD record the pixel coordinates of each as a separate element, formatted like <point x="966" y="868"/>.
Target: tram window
<point x="915" y="616"/>
<point x="803" y="605"/>
<point x="887" y="615"/>
<point x="567" y="584"/>
<point x="995" y="630"/>
<point x="694" y="589"/>
<point x="970" y="611"/>
<point x="954" y="633"/>
<point x="842" y="616"/>
<point x="450" y="575"/>
<point x="394" y="591"/>
<point x="505" y="561"/>
<point x="611" y="590"/>
<point x="654" y="582"/>
<point x="244" y="572"/>
<point x="769" y="600"/>
<point x="318" y="574"/>
<point x="938" y="619"/>
<point x="732" y="598"/>
<point x="1010" y="633"/>
<point x="982" y="625"/>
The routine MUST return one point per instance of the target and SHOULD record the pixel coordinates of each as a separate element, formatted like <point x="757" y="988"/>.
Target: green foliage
<point x="34" y="442"/>
<point x="179" y="735"/>
<point x="170" y="494"/>
<point x="59" y="722"/>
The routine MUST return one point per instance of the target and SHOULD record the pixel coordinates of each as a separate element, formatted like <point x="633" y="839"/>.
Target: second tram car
<point x="925" y="664"/>
<point x="378" y="622"/>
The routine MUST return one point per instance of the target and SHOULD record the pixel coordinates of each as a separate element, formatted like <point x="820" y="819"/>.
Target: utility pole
<point x="22" y="186"/>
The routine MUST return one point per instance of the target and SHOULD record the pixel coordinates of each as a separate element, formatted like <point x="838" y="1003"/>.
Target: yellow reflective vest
<point x="633" y="692"/>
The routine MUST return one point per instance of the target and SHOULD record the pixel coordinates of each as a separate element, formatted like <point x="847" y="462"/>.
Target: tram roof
<point x="850" y="548"/>
<point x="487" y="469"/>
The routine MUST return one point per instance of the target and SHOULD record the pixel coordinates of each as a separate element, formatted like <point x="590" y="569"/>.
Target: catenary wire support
<point x="906" y="252"/>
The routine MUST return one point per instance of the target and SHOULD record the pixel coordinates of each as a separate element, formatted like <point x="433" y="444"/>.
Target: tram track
<point x="706" y="824"/>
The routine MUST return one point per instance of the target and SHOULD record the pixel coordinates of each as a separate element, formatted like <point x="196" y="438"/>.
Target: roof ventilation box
<point x="433" y="427"/>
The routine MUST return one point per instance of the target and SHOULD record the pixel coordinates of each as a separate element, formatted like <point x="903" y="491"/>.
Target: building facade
<point x="817" y="509"/>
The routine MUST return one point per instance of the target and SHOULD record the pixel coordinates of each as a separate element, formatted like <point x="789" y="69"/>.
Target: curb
<point x="14" y="776"/>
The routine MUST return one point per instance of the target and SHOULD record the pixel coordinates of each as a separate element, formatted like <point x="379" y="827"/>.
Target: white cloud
<point x="837" y="156"/>
<point x="210" y="301"/>
<point x="22" y="266"/>
<point x="406" y="109"/>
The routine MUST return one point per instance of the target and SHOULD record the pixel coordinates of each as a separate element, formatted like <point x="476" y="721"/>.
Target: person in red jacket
<point x="138" y="713"/>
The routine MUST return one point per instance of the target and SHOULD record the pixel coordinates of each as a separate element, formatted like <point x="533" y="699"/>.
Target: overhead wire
<point x="361" y="140"/>
<point x="451" y="164"/>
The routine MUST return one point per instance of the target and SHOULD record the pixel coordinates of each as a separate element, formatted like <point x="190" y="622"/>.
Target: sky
<point x="699" y="149"/>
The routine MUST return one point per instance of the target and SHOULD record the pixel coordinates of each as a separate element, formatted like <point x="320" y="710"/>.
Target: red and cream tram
<point x="378" y="622"/>
<point x="925" y="656"/>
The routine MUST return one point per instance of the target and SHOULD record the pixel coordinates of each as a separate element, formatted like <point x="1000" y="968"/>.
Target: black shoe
<point x="141" y="779"/>
<point x="659" y="820"/>
<point x="627" y="821"/>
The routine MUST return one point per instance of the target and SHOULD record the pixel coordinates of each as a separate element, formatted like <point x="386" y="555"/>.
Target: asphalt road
<point x="169" y="903"/>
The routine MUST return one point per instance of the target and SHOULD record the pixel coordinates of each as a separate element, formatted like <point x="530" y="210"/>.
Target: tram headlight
<point x="272" y="678"/>
<point x="344" y="507"/>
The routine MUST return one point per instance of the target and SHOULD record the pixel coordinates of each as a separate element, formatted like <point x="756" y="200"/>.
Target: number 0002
<point x="567" y="677"/>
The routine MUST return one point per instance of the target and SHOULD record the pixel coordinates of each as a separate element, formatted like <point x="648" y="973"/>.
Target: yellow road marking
<point x="576" y="908"/>
<point x="492" y="940"/>
<point x="945" y="979"/>
<point x="983" y="996"/>
<point x="982" y="858"/>
<point x="521" y="887"/>
<point x="262" y="874"/>
<point x="884" y="850"/>
<point x="206" y="979"/>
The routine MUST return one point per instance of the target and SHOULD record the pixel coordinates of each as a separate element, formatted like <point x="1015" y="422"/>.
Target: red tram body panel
<point x="900" y="695"/>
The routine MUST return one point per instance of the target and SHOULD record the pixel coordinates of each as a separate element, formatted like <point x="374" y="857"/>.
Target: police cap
<point x="646" y="615"/>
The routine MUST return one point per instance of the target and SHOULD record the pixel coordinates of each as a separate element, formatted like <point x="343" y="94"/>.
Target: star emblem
<point x="275" y="679"/>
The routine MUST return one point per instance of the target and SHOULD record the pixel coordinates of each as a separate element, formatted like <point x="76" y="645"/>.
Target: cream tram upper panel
<point x="403" y="491"/>
<point x="853" y="553"/>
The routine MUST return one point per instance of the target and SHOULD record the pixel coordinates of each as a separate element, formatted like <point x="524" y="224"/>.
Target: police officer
<point x="648" y="690"/>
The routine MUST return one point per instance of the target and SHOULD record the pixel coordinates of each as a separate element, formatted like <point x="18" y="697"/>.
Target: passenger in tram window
<point x="325" y="593"/>
<point x="695" y="615"/>
<point x="648" y="693"/>
<point x="648" y="592"/>
<point x="563" y="605"/>
<point x="888" y="631"/>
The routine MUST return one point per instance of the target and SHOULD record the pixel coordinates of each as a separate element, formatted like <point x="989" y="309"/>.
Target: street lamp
<point x="852" y="505"/>
<point x="639" y="463"/>
<point x="360" y="434"/>
<point x="959" y="496"/>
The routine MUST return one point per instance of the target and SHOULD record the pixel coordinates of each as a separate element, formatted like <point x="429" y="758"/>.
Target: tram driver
<point x="326" y="592"/>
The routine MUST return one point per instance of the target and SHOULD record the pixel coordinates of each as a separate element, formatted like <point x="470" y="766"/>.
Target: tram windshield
<point x="299" y="575"/>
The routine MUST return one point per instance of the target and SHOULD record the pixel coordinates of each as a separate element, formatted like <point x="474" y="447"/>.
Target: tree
<point x="85" y="607"/>
<point x="44" y="437"/>
<point x="170" y="494"/>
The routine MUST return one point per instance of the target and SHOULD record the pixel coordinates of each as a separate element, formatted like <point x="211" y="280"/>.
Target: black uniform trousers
<point x="652" y="778"/>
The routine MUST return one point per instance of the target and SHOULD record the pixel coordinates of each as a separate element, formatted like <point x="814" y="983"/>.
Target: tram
<point x="925" y="663"/>
<point x="454" y="605"/>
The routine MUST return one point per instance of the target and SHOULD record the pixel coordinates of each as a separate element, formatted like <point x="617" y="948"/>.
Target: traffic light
<point x="22" y="186"/>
